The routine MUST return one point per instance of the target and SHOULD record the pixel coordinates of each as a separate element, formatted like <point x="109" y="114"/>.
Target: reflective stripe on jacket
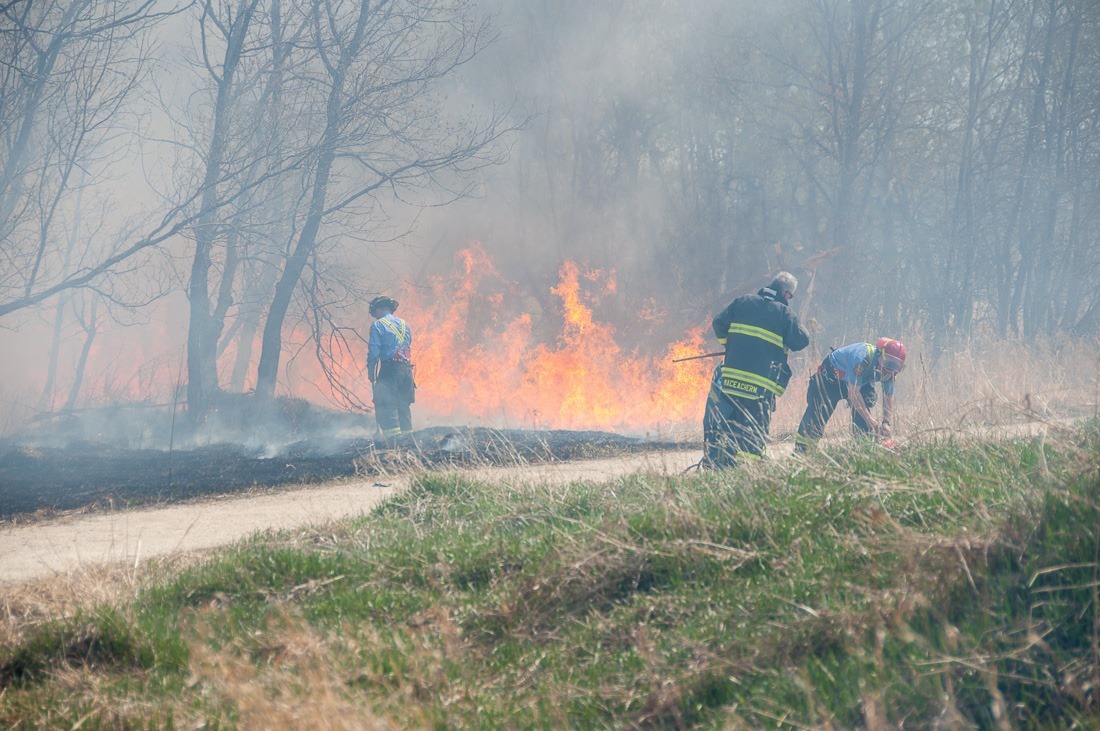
<point x="758" y="332"/>
<point x="390" y="340"/>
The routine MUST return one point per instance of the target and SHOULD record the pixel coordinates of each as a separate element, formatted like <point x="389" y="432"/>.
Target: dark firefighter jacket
<point x="758" y="331"/>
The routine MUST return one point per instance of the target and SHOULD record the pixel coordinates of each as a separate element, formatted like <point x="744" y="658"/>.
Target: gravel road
<point x="59" y="546"/>
<point x="56" y="547"/>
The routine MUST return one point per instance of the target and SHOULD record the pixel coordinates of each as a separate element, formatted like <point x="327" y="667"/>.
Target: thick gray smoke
<point x="196" y="199"/>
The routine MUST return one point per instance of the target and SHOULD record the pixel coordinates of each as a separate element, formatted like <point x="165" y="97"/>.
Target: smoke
<point x="669" y="156"/>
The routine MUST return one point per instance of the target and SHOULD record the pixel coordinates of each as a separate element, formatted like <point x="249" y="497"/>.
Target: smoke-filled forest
<point x="197" y="199"/>
<point x="238" y="237"/>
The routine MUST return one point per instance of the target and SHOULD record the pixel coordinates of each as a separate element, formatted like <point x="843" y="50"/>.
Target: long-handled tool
<point x="697" y="357"/>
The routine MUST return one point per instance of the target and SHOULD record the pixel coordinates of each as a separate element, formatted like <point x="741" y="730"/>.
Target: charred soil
<point x="86" y="475"/>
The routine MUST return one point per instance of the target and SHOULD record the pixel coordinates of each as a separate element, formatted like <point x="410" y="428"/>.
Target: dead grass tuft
<point x="600" y="566"/>
<point x="283" y="678"/>
<point x="26" y="605"/>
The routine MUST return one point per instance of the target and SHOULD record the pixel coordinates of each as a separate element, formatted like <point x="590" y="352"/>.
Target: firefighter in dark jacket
<point x="389" y="368"/>
<point x="758" y="332"/>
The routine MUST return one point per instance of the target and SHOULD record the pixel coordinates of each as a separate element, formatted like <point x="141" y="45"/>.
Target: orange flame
<point x="482" y="356"/>
<point x="478" y="364"/>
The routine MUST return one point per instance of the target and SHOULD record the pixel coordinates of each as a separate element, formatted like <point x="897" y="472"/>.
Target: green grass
<point x="955" y="582"/>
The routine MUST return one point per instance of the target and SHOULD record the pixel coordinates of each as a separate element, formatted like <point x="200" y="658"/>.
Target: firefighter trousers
<point x="734" y="429"/>
<point x="822" y="396"/>
<point x="394" y="393"/>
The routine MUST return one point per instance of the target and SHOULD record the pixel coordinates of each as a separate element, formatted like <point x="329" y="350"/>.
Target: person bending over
<point x="850" y="373"/>
<point x="758" y="331"/>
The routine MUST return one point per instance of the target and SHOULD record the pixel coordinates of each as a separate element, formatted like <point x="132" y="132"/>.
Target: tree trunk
<point x="272" y="340"/>
<point x="203" y="328"/>
<point x="45" y="400"/>
<point x="90" y="329"/>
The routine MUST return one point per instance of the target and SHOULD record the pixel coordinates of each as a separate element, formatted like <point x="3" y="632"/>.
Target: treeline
<point x="924" y="165"/>
<point x="934" y="163"/>
<point x="277" y="130"/>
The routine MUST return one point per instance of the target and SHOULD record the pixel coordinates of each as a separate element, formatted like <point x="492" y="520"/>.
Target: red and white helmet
<point x="891" y="356"/>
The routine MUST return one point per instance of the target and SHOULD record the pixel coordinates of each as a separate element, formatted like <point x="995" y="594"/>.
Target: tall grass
<point x="995" y="384"/>
<point x="951" y="585"/>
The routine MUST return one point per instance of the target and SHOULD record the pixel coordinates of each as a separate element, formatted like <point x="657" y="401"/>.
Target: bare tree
<point x="855" y="68"/>
<point x="68" y="76"/>
<point x="86" y="312"/>
<point x="379" y="130"/>
<point x="229" y="25"/>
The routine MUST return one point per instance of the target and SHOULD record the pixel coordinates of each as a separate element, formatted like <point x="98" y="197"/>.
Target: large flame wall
<point x="486" y="351"/>
<point x="478" y="359"/>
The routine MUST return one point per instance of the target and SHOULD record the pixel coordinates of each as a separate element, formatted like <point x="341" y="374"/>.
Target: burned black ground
<point x="88" y="475"/>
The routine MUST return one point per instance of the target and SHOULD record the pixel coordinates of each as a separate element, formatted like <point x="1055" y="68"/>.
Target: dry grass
<point x="27" y="605"/>
<point x="622" y="601"/>
<point x="281" y="678"/>
<point x="1006" y="382"/>
<point x="985" y="386"/>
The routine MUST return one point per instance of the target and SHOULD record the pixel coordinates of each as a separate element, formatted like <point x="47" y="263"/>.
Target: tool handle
<point x="697" y="357"/>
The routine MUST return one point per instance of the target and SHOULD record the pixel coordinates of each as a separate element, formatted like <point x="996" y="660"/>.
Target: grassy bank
<point x="952" y="583"/>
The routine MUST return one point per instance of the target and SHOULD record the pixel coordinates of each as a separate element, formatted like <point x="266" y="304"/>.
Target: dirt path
<point x="40" y="550"/>
<point x="59" y="547"/>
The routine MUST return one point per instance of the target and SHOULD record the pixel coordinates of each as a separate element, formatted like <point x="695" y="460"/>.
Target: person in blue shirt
<point x="850" y="373"/>
<point x="389" y="368"/>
